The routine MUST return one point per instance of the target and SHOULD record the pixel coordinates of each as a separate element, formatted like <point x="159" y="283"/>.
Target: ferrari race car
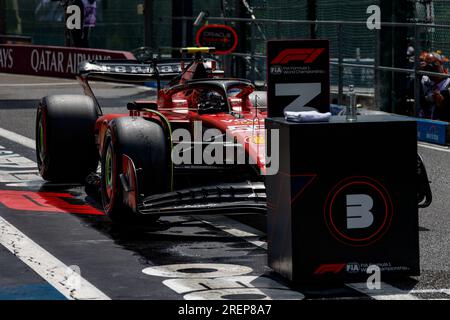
<point x="199" y="147"/>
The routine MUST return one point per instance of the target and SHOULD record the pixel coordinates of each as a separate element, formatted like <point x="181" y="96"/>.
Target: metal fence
<point x="119" y="25"/>
<point x="360" y="66"/>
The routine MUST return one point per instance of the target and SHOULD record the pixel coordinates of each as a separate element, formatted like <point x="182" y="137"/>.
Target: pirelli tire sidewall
<point x="65" y="137"/>
<point x="145" y="142"/>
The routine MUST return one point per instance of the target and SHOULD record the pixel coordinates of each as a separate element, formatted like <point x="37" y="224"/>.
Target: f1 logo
<point x="330" y="268"/>
<point x="305" y="55"/>
<point x="359" y="215"/>
<point x="358" y="211"/>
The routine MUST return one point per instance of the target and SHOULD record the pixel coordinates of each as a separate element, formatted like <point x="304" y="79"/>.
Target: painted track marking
<point x="12" y="85"/>
<point x="446" y="291"/>
<point x="433" y="147"/>
<point x="47" y="266"/>
<point x="233" y="228"/>
<point x="52" y="84"/>
<point x="37" y="258"/>
<point x="17" y="138"/>
<point x="387" y="292"/>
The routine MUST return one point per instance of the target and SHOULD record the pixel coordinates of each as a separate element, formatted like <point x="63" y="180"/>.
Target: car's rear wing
<point x="127" y="71"/>
<point x="130" y="71"/>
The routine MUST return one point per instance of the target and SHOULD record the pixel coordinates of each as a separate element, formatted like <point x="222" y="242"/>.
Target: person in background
<point x="90" y="17"/>
<point x="435" y="97"/>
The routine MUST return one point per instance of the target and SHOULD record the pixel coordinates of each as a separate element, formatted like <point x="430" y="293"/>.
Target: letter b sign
<point x="358" y="211"/>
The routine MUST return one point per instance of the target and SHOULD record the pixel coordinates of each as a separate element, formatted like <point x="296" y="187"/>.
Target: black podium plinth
<point x="344" y="198"/>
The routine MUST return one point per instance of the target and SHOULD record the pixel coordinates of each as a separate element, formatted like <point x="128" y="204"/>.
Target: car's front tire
<point x="146" y="144"/>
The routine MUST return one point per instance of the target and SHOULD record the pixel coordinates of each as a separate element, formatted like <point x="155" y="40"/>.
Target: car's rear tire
<point x="65" y="138"/>
<point x="146" y="144"/>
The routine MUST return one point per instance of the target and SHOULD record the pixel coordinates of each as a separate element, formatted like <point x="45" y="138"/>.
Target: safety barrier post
<point x="376" y="73"/>
<point x="340" y="65"/>
<point x="416" y="70"/>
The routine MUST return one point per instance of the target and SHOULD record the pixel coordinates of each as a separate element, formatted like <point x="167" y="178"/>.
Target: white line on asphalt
<point x="41" y="84"/>
<point x="234" y="228"/>
<point x="445" y="291"/>
<point x="47" y="266"/>
<point x="52" y="84"/>
<point x="387" y="292"/>
<point x="434" y="147"/>
<point x="17" y="138"/>
<point x="37" y="258"/>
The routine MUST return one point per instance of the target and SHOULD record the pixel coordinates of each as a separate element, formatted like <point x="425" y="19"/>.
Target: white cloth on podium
<point x="306" y="116"/>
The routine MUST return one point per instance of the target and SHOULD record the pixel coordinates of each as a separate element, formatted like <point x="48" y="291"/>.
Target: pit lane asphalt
<point x="112" y="259"/>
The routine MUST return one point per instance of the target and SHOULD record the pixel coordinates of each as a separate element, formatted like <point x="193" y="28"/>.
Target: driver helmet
<point x="212" y="97"/>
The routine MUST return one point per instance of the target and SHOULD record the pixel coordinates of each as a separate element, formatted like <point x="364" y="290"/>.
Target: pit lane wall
<point x="51" y="61"/>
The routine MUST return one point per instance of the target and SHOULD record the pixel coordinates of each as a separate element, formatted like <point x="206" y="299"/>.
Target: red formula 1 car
<point x="155" y="158"/>
<point x="199" y="147"/>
